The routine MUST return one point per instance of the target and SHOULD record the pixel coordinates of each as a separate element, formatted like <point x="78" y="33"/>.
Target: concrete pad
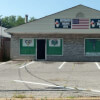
<point x="78" y="77"/>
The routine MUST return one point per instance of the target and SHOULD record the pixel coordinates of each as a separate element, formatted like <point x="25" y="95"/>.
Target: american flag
<point x="80" y="23"/>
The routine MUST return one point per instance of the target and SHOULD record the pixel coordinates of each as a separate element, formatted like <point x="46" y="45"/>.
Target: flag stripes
<point x="80" y="23"/>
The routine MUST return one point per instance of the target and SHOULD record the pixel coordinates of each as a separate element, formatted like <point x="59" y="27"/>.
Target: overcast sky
<point x="41" y="8"/>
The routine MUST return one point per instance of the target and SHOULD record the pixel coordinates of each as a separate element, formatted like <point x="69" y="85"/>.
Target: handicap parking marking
<point x="26" y="64"/>
<point x="97" y="64"/>
<point x="61" y="65"/>
<point x="5" y="62"/>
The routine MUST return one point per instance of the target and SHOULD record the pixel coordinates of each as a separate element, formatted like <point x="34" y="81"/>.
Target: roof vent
<point x="80" y="15"/>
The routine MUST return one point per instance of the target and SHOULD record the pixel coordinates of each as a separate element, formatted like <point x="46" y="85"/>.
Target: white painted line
<point x="95" y="90"/>
<point x="97" y="64"/>
<point x="5" y="62"/>
<point x="35" y="83"/>
<point x="70" y="88"/>
<point x="83" y="89"/>
<point x="26" y="64"/>
<point x="61" y="65"/>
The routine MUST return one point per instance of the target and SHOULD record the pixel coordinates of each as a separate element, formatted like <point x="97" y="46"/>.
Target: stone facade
<point x="73" y="47"/>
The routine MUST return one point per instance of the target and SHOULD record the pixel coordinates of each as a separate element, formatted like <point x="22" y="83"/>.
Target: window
<point x="54" y="46"/>
<point x="92" y="47"/>
<point x="28" y="46"/>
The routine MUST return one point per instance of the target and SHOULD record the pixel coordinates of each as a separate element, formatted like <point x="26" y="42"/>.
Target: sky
<point x="41" y="8"/>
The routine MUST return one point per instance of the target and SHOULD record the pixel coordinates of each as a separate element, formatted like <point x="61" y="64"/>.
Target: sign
<point x="63" y="23"/>
<point x="80" y="23"/>
<point x="54" y="42"/>
<point x="27" y="48"/>
<point x="92" y="47"/>
<point x="95" y="23"/>
<point x="55" y="46"/>
<point x="28" y="42"/>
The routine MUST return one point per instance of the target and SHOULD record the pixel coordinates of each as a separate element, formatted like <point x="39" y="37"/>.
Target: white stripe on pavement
<point x="97" y="64"/>
<point x="61" y="65"/>
<point x="83" y="89"/>
<point x="68" y="88"/>
<point x="95" y="90"/>
<point x="35" y="83"/>
<point x="5" y="62"/>
<point x="26" y="64"/>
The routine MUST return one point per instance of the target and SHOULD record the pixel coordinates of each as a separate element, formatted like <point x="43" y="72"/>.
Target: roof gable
<point x="46" y="24"/>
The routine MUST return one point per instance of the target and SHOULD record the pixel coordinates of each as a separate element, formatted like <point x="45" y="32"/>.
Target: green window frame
<point x="55" y="50"/>
<point x="92" y="47"/>
<point x="25" y="50"/>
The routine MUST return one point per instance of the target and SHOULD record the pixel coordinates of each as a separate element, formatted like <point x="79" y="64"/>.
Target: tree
<point x="31" y="19"/>
<point x="12" y="21"/>
<point x="5" y="22"/>
<point x="8" y="22"/>
<point x="20" y="20"/>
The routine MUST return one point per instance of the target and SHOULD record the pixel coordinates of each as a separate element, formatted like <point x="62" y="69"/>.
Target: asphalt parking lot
<point x="43" y="78"/>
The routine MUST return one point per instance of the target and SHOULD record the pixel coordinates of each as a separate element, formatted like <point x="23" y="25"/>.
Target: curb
<point x="94" y="98"/>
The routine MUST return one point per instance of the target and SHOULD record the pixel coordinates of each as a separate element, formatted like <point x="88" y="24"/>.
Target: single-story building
<point x="4" y="44"/>
<point x="69" y="35"/>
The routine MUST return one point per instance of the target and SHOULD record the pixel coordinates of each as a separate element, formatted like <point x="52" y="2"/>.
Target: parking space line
<point x="97" y="64"/>
<point x="35" y="83"/>
<point x="26" y="64"/>
<point x="5" y="62"/>
<point x="68" y="88"/>
<point x="61" y="65"/>
<point x="82" y="89"/>
<point x="95" y="90"/>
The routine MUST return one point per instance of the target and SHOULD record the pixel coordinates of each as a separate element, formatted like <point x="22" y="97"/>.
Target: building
<point x="69" y="35"/>
<point x="4" y="44"/>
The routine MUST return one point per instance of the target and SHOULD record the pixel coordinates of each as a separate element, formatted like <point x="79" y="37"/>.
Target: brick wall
<point x="73" y="47"/>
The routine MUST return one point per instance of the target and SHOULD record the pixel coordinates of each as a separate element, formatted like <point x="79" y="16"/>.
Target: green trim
<point x="92" y="47"/>
<point x="27" y="50"/>
<point x="55" y="50"/>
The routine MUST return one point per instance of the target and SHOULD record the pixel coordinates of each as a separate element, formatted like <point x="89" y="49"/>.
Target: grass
<point x="71" y="97"/>
<point x="22" y="96"/>
<point x="19" y="96"/>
